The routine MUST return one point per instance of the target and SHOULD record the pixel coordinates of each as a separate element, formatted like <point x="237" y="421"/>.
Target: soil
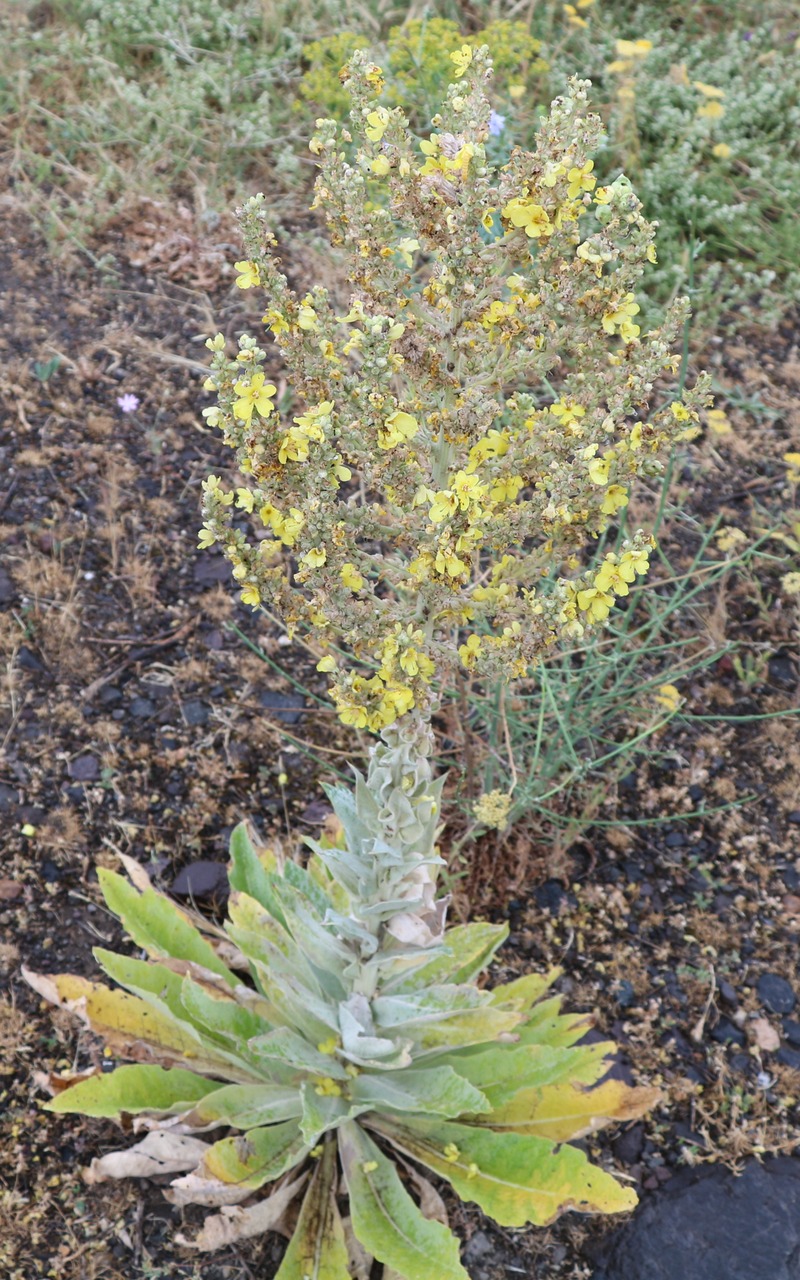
<point x="146" y="711"/>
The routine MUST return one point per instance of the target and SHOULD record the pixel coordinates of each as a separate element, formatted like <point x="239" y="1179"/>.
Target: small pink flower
<point x="128" y="403"/>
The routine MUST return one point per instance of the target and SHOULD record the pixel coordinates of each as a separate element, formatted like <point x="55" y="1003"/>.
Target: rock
<point x="9" y="890"/>
<point x="549" y="896"/>
<point x="109" y="695"/>
<point x="791" y="1030"/>
<point x="28" y="660"/>
<point x="794" y="816"/>
<point x="195" y="712"/>
<point x="7" y="591"/>
<point x="142" y="708"/>
<point x="629" y="1145"/>
<point x="287" y="707"/>
<point x="726" y="1033"/>
<point x="675" y="840"/>
<point x="8" y="796"/>
<point x="765" y="1035"/>
<point x="210" y="569"/>
<point x="85" y="768"/>
<point x="624" y="994"/>
<point x="789" y="1058"/>
<point x="707" y="1224"/>
<point x="776" y="993"/>
<point x="200" y="879"/>
<point x="477" y="1251"/>
<point x="727" y="994"/>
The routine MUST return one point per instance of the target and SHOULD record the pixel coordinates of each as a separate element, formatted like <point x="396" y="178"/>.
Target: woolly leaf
<point x="515" y="1179"/>
<point x="318" y="1249"/>
<point x="469" y="948"/>
<point x="134" y="1089"/>
<point x="435" y="1091"/>
<point x="157" y="925"/>
<point x="385" y="1218"/>
<point x="247" y="1106"/>
<point x="257" y="1156"/>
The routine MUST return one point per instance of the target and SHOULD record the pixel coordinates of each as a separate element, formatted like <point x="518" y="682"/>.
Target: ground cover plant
<point x="365" y="1019"/>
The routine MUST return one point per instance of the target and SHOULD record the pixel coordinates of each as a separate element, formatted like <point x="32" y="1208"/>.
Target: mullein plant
<point x="425" y="508"/>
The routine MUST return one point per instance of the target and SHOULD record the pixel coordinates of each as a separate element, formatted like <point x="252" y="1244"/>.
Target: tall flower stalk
<point x="425" y="509"/>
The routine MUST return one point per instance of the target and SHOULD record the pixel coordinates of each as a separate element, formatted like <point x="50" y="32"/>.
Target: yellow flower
<point x="668" y="696"/>
<point x="328" y="663"/>
<point x="276" y="322"/>
<point x="581" y="180"/>
<point x="249" y="276"/>
<point x="206" y="537"/>
<point x="254" y="394"/>
<point x="377" y="123"/>
<point x="633" y="48"/>
<point x="719" y="422"/>
<point x="245" y="500"/>
<point x="619" y="317"/>
<point x="251" y="595"/>
<point x="791" y="583"/>
<point x="522" y="212"/>
<point x="314" y="558"/>
<point x="328" y="1088"/>
<point x="709" y="90"/>
<point x="598" y="470"/>
<point x="306" y="317"/>
<point x="729" y="537"/>
<point x="444" y="504"/>
<point x="596" y="603"/>
<point x="616" y="497"/>
<point x="462" y="59"/>
<point x="506" y="488"/>
<point x="470" y="651"/>
<point x="380" y="166"/>
<point x="711" y="110"/>
<point x="369" y="1166"/>
<point x="351" y="578"/>
<point x="399" y="426"/>
<point x="407" y="247"/>
<point x="451" y="1152"/>
<point x="573" y="17"/>
<point x="722" y="151"/>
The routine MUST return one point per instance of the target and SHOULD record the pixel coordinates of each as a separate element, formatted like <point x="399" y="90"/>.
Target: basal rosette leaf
<point x="133" y="1089"/>
<point x="157" y="925"/>
<point x="385" y="1218"/>
<point x="318" y="1248"/>
<point x="515" y="1179"/>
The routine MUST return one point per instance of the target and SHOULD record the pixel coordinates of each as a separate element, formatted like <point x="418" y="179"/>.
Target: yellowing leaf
<point x="258" y="1156"/>
<point x="318" y="1249"/>
<point x="563" y="1111"/>
<point x="515" y="1179"/>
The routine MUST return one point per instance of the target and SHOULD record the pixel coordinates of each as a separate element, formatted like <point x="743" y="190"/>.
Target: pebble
<point x="141" y="708"/>
<point x="195" y="712"/>
<point x="776" y="993"/>
<point x="287" y="707"/>
<point x="625" y="994"/>
<point x="675" y="840"/>
<point x="727" y="994"/>
<point x="85" y="768"/>
<point x="791" y="1030"/>
<point x="726" y="1033"/>
<point x="200" y="879"/>
<point x="788" y="1057"/>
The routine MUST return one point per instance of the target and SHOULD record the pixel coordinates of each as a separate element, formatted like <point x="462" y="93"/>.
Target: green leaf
<point x="524" y="992"/>
<point x="318" y="1250"/>
<point x="248" y="873"/>
<point x="469" y="948"/>
<point x="248" y="1106"/>
<point x="324" y="1111"/>
<point x="504" y="1071"/>
<point x="432" y="1091"/>
<point x="385" y="1218"/>
<point x="257" y="1156"/>
<point x="286" y="1046"/>
<point x="545" y="1024"/>
<point x="515" y="1179"/>
<point x="134" y="1089"/>
<point x="158" y="926"/>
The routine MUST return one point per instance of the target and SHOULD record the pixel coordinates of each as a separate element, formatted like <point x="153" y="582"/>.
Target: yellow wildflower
<point x="709" y="90"/>
<point x="206" y="537"/>
<point x="451" y="1152"/>
<point x="791" y="583"/>
<point x="522" y="212"/>
<point x="369" y="1166"/>
<point x="462" y="59"/>
<point x="251" y="595"/>
<point x="581" y="180"/>
<point x="399" y="426"/>
<point x="596" y="603"/>
<point x="598" y="470"/>
<point x="314" y="558"/>
<point x="711" y="110"/>
<point x="249" y="275"/>
<point x="616" y="497"/>
<point x="328" y="1088"/>
<point x="792" y="461"/>
<point x="719" y="422"/>
<point x="668" y="696"/>
<point x="619" y="317"/>
<point x="351" y="578"/>
<point x="721" y="150"/>
<point x="377" y="124"/>
<point x="328" y="663"/>
<point x="470" y="651"/>
<point x="255" y="394"/>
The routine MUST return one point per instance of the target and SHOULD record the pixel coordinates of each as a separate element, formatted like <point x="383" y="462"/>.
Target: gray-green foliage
<point x="332" y="1021"/>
